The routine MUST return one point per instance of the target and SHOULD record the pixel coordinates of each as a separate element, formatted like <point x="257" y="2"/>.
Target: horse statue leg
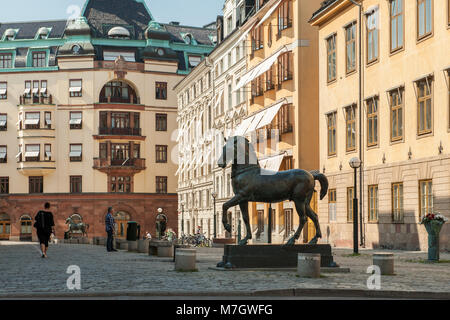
<point x="313" y="216"/>
<point x="300" y="207"/>
<point x="245" y="217"/>
<point x="227" y="205"/>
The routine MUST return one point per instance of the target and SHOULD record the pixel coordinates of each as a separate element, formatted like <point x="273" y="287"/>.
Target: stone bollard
<point x="101" y="241"/>
<point x="123" y="245"/>
<point x="143" y="246"/>
<point x="185" y="260"/>
<point x="166" y="251"/>
<point x="132" y="246"/>
<point x="308" y="265"/>
<point x="84" y="241"/>
<point x="385" y="261"/>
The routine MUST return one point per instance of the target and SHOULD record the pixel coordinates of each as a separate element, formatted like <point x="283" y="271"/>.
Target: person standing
<point x="110" y="227"/>
<point x="45" y="226"/>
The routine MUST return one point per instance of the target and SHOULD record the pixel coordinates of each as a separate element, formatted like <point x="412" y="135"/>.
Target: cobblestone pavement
<point x="23" y="271"/>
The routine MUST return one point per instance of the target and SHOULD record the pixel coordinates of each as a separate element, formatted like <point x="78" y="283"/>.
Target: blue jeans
<point x="109" y="241"/>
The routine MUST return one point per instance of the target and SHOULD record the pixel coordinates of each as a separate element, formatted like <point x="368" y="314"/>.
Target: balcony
<point x="35" y="99"/>
<point x="119" y="165"/>
<point x="35" y="167"/>
<point x="120" y="131"/>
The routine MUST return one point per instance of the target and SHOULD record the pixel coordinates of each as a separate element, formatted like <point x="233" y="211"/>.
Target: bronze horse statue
<point x="83" y="227"/>
<point x="252" y="183"/>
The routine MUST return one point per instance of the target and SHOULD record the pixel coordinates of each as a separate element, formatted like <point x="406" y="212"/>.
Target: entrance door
<point x="5" y="226"/>
<point x="25" y="228"/>
<point x="121" y="218"/>
<point x="309" y="230"/>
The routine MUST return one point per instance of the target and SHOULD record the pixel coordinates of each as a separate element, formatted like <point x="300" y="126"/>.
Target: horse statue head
<point x="239" y="151"/>
<point x="69" y="220"/>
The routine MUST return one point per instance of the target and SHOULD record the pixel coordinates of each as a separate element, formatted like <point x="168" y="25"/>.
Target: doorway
<point x="5" y="226"/>
<point x="25" y="228"/>
<point x="260" y="217"/>
<point x="121" y="218"/>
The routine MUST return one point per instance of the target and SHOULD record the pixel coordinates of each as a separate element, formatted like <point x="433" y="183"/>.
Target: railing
<point x="35" y="99"/>
<point x="127" y="163"/>
<point x="120" y="131"/>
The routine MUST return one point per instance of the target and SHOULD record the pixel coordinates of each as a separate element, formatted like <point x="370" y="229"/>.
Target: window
<point x="288" y="222"/>
<point x="269" y="35"/>
<point x="161" y="122"/>
<point x="26" y="225"/>
<point x="39" y="59"/>
<point x="372" y="121"/>
<point x="47" y="152"/>
<point x="75" y="88"/>
<point x="257" y="38"/>
<point x="270" y="83"/>
<point x="194" y="61"/>
<point x="4" y="185"/>
<point x="32" y="120"/>
<point x="331" y="58"/>
<point x="76" y="118"/>
<point x="19" y="154"/>
<point x="230" y="63"/>
<point x="3" y="90"/>
<point x="424" y="106"/>
<point x="48" y="120"/>
<point x="372" y="37"/>
<point x="397" y="202"/>
<point x="350" y="47"/>
<point x="3" y="154"/>
<point x="27" y="91"/>
<point x="113" y="55"/>
<point x="120" y="152"/>
<point x="331" y="130"/>
<point x="161" y="90"/>
<point x="350" y="124"/>
<point x="75" y="184"/>
<point x="161" y="184"/>
<point x="229" y="25"/>
<point x="103" y="152"/>
<point x="230" y="97"/>
<point x="118" y="92"/>
<point x="397" y="25"/>
<point x="32" y="152"/>
<point x="350" y="196"/>
<point x="396" y="102"/>
<point x="373" y="203"/>
<point x="120" y="184"/>
<point x="75" y="154"/>
<point x="137" y="151"/>
<point x="43" y="90"/>
<point x="285" y="67"/>
<point x="424" y="18"/>
<point x="332" y="205"/>
<point x="257" y="87"/>
<point x="425" y="198"/>
<point x="35" y="184"/>
<point x="161" y="154"/>
<point x="284" y="16"/>
<point x="5" y="60"/>
<point x="3" y="122"/>
<point x="284" y="119"/>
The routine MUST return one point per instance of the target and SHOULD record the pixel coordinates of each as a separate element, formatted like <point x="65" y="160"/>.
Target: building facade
<point x="88" y="117"/>
<point x="401" y="130"/>
<point x="281" y="85"/>
<point x="209" y="111"/>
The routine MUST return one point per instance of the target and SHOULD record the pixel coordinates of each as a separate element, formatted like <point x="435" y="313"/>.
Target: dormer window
<point x="188" y="38"/>
<point x="194" y="61"/>
<point x="43" y="33"/>
<point x="113" y="55"/>
<point x="10" y="34"/>
<point x="119" y="33"/>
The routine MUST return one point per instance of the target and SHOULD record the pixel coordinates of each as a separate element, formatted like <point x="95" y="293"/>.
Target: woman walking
<point x="45" y="226"/>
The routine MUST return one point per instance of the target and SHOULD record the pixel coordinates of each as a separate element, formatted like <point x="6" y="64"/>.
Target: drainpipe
<point x="361" y="169"/>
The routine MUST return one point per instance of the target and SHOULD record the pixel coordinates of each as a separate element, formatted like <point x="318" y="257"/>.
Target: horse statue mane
<point x="251" y="183"/>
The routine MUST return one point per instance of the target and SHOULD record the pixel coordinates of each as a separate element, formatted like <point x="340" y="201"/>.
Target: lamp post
<point x="182" y="218"/>
<point x="355" y="163"/>
<point x="214" y="195"/>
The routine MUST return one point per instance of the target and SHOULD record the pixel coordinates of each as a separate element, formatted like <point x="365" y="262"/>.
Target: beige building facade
<point x="403" y="122"/>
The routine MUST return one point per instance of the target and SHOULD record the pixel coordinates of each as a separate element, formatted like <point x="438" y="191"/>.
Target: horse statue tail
<point x="323" y="182"/>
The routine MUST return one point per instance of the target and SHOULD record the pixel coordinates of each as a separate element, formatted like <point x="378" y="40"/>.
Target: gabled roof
<point x="28" y="30"/>
<point x="102" y="15"/>
<point x="323" y="6"/>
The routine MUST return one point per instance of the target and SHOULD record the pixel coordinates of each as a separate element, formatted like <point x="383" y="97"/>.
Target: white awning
<point x="48" y="121"/>
<point x="259" y="69"/>
<point x="2" y="123"/>
<point x="48" y="154"/>
<point x="75" y="121"/>
<point x="2" y="91"/>
<point x="269" y="114"/>
<point x="75" y="154"/>
<point x="2" y="155"/>
<point x="268" y="14"/>
<point x="19" y="154"/>
<point x="245" y="34"/>
<point x="35" y="90"/>
<point x="27" y="91"/>
<point x="31" y="154"/>
<point x="31" y="121"/>
<point x="75" y="89"/>
<point x="180" y="167"/>
<point x="256" y="119"/>
<point x="218" y="99"/>
<point x="272" y="163"/>
<point x="43" y="90"/>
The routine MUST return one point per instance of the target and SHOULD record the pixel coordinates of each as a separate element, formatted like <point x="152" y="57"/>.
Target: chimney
<point x="174" y="23"/>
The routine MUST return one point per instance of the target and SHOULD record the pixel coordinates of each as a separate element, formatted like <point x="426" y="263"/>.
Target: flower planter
<point x="433" y="224"/>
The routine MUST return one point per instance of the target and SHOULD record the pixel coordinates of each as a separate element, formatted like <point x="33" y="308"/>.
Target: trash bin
<point x="132" y="231"/>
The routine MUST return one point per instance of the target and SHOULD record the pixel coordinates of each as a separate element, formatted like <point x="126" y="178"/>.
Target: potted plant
<point x="433" y="224"/>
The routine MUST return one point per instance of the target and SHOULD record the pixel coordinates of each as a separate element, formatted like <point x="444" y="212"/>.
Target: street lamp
<point x="355" y="163"/>
<point x="182" y="217"/>
<point x="214" y="195"/>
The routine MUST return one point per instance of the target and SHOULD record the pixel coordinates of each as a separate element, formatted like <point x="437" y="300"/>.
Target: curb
<point x="315" y="293"/>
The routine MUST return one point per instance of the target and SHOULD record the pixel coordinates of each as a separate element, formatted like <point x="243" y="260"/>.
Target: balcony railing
<point x="35" y="99"/>
<point x="120" y="131"/>
<point x="138" y="164"/>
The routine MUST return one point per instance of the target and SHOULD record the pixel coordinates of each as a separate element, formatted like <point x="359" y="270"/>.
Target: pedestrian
<point x="45" y="226"/>
<point x="148" y="236"/>
<point x="110" y="228"/>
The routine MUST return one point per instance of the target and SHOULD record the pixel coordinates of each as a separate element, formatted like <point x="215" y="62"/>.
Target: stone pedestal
<point x="101" y="241"/>
<point x="185" y="260"/>
<point x="143" y="246"/>
<point x="83" y="241"/>
<point x="123" y="245"/>
<point x="160" y="248"/>
<point x="132" y="246"/>
<point x="273" y="255"/>
<point x="385" y="261"/>
<point x="308" y="265"/>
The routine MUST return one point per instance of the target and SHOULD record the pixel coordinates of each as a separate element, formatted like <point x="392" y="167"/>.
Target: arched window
<point x="118" y="92"/>
<point x="25" y="227"/>
<point x="5" y="226"/>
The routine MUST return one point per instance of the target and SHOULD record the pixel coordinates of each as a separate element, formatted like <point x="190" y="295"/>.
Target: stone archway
<point x="5" y="226"/>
